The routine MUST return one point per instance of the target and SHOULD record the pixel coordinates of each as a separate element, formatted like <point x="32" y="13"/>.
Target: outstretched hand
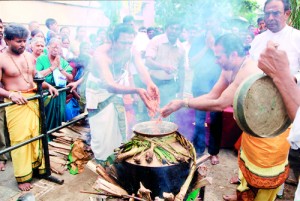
<point x="274" y="62"/>
<point x="154" y="99"/>
<point x="171" y="107"/>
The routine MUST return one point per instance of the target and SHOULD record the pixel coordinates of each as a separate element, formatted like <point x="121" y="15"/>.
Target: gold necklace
<point x="26" y="80"/>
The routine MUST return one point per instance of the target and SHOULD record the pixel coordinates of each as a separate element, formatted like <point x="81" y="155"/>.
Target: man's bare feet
<point x="234" y="180"/>
<point x="2" y="165"/>
<point x="25" y="186"/>
<point x="214" y="159"/>
<point x="230" y="197"/>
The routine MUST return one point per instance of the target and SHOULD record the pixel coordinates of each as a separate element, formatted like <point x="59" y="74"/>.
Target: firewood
<point x="59" y="155"/>
<point x="70" y="132"/>
<point x="67" y="138"/>
<point x="58" y="145"/>
<point x="203" y="182"/>
<point x="109" y="187"/>
<point x="202" y="159"/>
<point x="144" y="192"/>
<point x="59" y="150"/>
<point x="57" y="168"/>
<point x="58" y="160"/>
<point x="168" y="196"/>
<point x="81" y="129"/>
<point x="101" y="171"/>
<point x="61" y="141"/>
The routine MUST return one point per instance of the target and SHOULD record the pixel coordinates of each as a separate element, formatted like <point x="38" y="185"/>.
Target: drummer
<point x="257" y="155"/>
<point x="275" y="64"/>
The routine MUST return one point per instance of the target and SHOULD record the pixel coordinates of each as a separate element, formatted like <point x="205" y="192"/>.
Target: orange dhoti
<point x="263" y="166"/>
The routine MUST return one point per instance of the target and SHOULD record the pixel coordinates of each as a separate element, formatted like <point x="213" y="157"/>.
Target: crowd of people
<point x="122" y="76"/>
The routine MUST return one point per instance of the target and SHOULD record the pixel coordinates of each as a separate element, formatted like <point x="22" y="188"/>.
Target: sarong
<point x="263" y="164"/>
<point x="23" y="124"/>
<point x="106" y="117"/>
<point x="108" y="127"/>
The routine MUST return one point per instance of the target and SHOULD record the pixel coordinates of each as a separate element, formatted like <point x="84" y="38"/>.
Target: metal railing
<point x="44" y="133"/>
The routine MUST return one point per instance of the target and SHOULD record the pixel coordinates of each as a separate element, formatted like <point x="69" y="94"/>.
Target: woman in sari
<point x="57" y="72"/>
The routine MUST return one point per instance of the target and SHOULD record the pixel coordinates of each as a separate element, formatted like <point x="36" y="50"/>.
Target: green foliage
<point x="295" y="15"/>
<point x="191" y="11"/>
<point x="112" y="11"/>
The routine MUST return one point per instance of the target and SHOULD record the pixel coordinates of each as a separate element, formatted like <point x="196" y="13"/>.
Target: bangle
<point x="51" y="69"/>
<point x="60" y="69"/>
<point x="186" y="102"/>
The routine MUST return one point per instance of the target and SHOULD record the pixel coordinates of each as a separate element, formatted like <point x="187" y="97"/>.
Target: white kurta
<point x="288" y="40"/>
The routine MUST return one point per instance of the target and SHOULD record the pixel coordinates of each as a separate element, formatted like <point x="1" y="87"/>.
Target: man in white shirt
<point x="286" y="37"/>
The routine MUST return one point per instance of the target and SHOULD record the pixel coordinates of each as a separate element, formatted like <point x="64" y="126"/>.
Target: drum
<point x="259" y="109"/>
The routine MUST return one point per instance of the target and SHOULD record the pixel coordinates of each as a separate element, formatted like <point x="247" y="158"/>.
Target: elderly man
<point x="287" y="38"/>
<point x="16" y="74"/>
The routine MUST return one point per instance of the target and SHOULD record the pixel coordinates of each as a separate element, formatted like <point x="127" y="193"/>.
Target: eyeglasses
<point x="273" y="13"/>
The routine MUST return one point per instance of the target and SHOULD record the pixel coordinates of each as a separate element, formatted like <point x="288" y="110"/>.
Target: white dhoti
<point x="106" y="117"/>
<point x="105" y="132"/>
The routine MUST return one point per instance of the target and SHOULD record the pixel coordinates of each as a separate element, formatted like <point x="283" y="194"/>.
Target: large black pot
<point x="157" y="179"/>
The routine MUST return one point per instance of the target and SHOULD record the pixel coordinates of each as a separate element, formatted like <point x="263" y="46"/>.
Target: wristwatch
<point x="60" y="69"/>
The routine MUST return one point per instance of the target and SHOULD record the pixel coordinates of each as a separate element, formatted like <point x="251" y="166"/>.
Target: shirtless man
<point x="235" y="66"/>
<point x="257" y="183"/>
<point x="108" y="80"/>
<point x="16" y="73"/>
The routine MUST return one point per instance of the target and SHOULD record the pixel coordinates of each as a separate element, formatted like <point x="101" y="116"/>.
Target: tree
<point x="111" y="10"/>
<point x="195" y="10"/>
<point x="295" y="15"/>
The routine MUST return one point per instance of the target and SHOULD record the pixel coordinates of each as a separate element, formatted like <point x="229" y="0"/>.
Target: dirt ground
<point x="73" y="184"/>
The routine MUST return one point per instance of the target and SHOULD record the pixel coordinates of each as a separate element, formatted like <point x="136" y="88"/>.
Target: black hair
<point x="286" y="4"/>
<point x="260" y="19"/>
<point x="50" y="22"/>
<point x="150" y="29"/>
<point x="35" y="31"/>
<point x="121" y="28"/>
<point x="13" y="31"/>
<point x="128" y="18"/>
<point x="230" y="43"/>
<point x="1" y="21"/>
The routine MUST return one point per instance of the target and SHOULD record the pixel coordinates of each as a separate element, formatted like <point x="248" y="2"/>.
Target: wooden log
<point x="61" y="141"/>
<point x="57" y="168"/>
<point x="202" y="159"/>
<point x="70" y="133"/>
<point x="54" y="153"/>
<point x="58" y="145"/>
<point x="58" y="160"/>
<point x="59" y="150"/>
